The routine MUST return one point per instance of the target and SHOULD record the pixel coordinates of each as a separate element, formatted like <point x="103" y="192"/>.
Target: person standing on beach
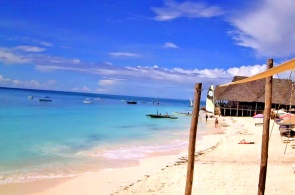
<point x="216" y="122"/>
<point x="206" y="117"/>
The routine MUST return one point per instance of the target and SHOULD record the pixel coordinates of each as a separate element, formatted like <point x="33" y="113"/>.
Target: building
<point x="248" y="98"/>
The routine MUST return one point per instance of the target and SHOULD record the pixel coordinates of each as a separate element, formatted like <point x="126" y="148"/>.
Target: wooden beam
<point x="192" y="139"/>
<point x="265" y="135"/>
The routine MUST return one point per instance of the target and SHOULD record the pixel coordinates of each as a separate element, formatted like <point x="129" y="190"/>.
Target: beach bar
<point x="247" y="99"/>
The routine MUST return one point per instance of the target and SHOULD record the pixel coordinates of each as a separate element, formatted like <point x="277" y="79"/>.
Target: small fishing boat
<point x="45" y="99"/>
<point x="161" y="116"/>
<point x="131" y="102"/>
<point x="184" y="112"/>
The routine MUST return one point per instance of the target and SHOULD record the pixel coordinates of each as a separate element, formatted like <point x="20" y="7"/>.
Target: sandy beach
<point x="222" y="166"/>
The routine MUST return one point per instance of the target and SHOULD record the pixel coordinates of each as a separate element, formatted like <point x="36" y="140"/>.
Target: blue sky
<point x="154" y="48"/>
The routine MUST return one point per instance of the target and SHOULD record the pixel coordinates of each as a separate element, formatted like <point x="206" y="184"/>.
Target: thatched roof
<point x="254" y="91"/>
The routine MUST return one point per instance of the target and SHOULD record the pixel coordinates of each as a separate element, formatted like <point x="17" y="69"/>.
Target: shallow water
<point x="67" y="137"/>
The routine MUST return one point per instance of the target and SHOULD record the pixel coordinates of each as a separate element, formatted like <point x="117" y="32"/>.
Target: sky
<point x="154" y="48"/>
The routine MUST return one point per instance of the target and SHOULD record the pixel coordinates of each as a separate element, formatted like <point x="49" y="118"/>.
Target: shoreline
<point x="222" y="166"/>
<point x="147" y="166"/>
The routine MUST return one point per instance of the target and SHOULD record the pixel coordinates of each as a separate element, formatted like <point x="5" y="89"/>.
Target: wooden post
<point x="192" y="140"/>
<point x="265" y="135"/>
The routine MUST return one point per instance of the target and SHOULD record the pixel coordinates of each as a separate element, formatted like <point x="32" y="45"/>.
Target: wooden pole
<point x="192" y="140"/>
<point x="265" y="135"/>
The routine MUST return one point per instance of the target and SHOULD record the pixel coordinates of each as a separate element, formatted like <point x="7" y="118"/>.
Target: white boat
<point x="191" y="102"/>
<point x="185" y="112"/>
<point x="210" y="100"/>
<point x="30" y="97"/>
<point x="87" y="101"/>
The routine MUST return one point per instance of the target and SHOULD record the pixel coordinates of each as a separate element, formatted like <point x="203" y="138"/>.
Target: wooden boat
<point x="184" y="112"/>
<point x="45" y="99"/>
<point x="161" y="116"/>
<point x="131" y="102"/>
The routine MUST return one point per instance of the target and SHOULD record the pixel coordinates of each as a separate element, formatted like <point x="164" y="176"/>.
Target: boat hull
<point x="161" y="116"/>
<point x="131" y="102"/>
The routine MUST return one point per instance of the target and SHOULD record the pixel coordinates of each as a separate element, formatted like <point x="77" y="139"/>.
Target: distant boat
<point x="210" y="100"/>
<point x="185" y="112"/>
<point x="131" y="102"/>
<point x="161" y="116"/>
<point x="191" y="102"/>
<point x="45" y="99"/>
<point x="30" y="97"/>
<point x="87" y="101"/>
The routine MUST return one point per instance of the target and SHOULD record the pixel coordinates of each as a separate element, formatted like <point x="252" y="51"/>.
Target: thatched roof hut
<point x="254" y="91"/>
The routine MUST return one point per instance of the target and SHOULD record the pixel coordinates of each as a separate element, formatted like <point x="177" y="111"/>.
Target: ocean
<point x="66" y="137"/>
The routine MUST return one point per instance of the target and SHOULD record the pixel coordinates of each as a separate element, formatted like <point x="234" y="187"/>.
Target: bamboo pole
<point x="192" y="139"/>
<point x="265" y="135"/>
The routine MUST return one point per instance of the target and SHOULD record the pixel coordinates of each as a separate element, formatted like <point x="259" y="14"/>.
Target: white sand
<point x="229" y="168"/>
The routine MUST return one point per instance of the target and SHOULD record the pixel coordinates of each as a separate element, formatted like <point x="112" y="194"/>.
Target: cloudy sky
<point x="154" y="48"/>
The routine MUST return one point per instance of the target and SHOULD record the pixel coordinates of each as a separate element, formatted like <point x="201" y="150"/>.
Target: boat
<point x="210" y="100"/>
<point x="161" y="116"/>
<point x="191" y="102"/>
<point x="45" y="99"/>
<point x="131" y="102"/>
<point x="30" y="97"/>
<point x="88" y="101"/>
<point x="184" y="112"/>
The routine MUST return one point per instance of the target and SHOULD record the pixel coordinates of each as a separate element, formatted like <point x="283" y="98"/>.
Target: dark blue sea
<point x="66" y="137"/>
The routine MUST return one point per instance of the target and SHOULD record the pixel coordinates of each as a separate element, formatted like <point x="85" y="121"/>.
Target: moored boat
<point x="131" y="102"/>
<point x="161" y="116"/>
<point x="184" y="112"/>
<point x="45" y="99"/>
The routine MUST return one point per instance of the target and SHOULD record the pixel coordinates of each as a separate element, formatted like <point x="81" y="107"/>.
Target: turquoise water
<point x="67" y="137"/>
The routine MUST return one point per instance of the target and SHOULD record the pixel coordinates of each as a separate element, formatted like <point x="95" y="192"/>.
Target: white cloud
<point x="26" y="84"/>
<point x="124" y="54"/>
<point x="51" y="82"/>
<point x="173" y="9"/>
<point x="83" y="89"/>
<point x="104" y="82"/>
<point x="30" y="48"/>
<point x="267" y="28"/>
<point x="76" y="61"/>
<point x="9" y="58"/>
<point x="3" y="80"/>
<point x="47" y="44"/>
<point x="108" y="63"/>
<point x="246" y="70"/>
<point x="170" y="45"/>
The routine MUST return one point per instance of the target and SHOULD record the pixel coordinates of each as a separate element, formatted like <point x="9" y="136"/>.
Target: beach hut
<point x="246" y="99"/>
<point x="267" y="75"/>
